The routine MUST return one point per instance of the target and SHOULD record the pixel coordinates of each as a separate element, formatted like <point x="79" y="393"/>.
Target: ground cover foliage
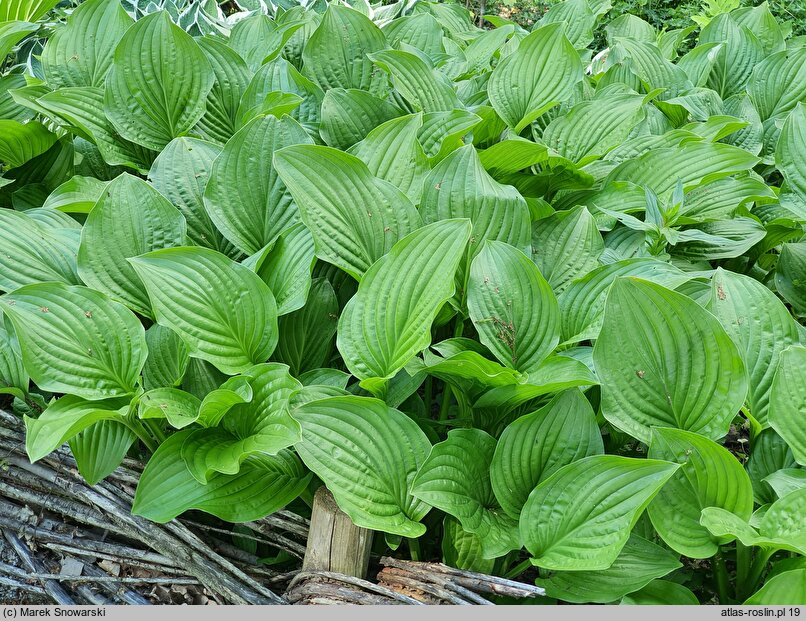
<point x="523" y="305"/>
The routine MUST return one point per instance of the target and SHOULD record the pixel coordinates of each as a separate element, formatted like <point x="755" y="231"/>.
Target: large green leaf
<point x="638" y="563"/>
<point x="349" y="115"/>
<point x="14" y="378"/>
<point x="355" y="218"/>
<point x="512" y="307"/>
<point x="222" y="310"/>
<point x="180" y="173"/>
<point x="245" y="197"/>
<point x="423" y="87"/>
<point x="389" y="319"/>
<point x="535" y="446"/>
<point x="664" y="361"/>
<point x="787" y="588"/>
<point x="790" y="275"/>
<point x="286" y="267"/>
<point x="21" y="142"/>
<point x="709" y="476"/>
<point x="178" y="407"/>
<point x="661" y="593"/>
<point x="459" y="187"/>
<point x="788" y="401"/>
<point x="391" y="152"/>
<point x="789" y="154"/>
<point x="737" y="58"/>
<point x="462" y="549"/>
<point x="778" y="83"/>
<point x="76" y="195"/>
<point x="592" y="128"/>
<point x="31" y="253"/>
<point x="456" y="479"/>
<point x="580" y="518"/>
<point x="100" y="449"/>
<point x="263" y="485"/>
<point x="67" y="417"/>
<point x="761" y="327"/>
<point x="158" y="83"/>
<point x="367" y="454"/>
<point x="306" y="335"/>
<point x="542" y="72"/>
<point x="769" y="455"/>
<point x="582" y="303"/>
<point x="76" y="340"/>
<point x="336" y="54"/>
<point x="566" y="246"/>
<point x="25" y="10"/>
<point x="167" y="358"/>
<point x="262" y="425"/>
<point x="130" y="219"/>
<point x="80" y="52"/>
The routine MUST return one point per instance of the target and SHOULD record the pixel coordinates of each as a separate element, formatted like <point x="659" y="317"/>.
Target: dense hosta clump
<point x="515" y="300"/>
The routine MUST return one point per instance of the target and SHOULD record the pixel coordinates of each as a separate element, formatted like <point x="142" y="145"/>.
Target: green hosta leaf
<point x="788" y="401"/>
<point x="263" y="485"/>
<point x="592" y="128"/>
<point x="469" y="371"/>
<point x="31" y="253"/>
<point x="459" y="187"/>
<point x="420" y="30"/>
<point x="663" y="361"/>
<point x="734" y="63"/>
<point x="638" y="563"/>
<point x="556" y="373"/>
<point x="367" y="454"/>
<point x="76" y="340"/>
<point x="535" y="446"/>
<point x="419" y="84"/>
<point x="782" y="527"/>
<point x="443" y="132"/>
<point x="219" y="401"/>
<point x="336" y="54"/>
<point x="64" y="419"/>
<point x="180" y="408"/>
<point x="158" y="82"/>
<point x="462" y="549"/>
<point x="761" y="327"/>
<point x="391" y="152"/>
<point x="82" y="110"/>
<point x="348" y="116"/>
<point x="257" y="38"/>
<point x="709" y="476"/>
<point x="542" y="72"/>
<point x="101" y="448"/>
<point x="21" y="142"/>
<point x="77" y="195"/>
<point x="286" y="268"/>
<point x="724" y="239"/>
<point x="514" y="155"/>
<point x="691" y="163"/>
<point x="719" y="199"/>
<point x="130" y="219"/>
<point x="14" y="378"/>
<point x="245" y="197"/>
<point x="354" y="217"/>
<point x="456" y="479"/>
<point x="80" y="53"/>
<point x="580" y="518"/>
<point x="306" y="335"/>
<point x="786" y="481"/>
<point x="583" y="301"/>
<point x="789" y="152"/>
<point x="778" y="83"/>
<point x="180" y="173"/>
<point x="784" y="589"/>
<point x="222" y="310"/>
<point x="167" y="358"/>
<point x="262" y="425"/>
<point x="512" y="307"/>
<point x="220" y="120"/>
<point x="25" y="10"/>
<point x="661" y="592"/>
<point x="578" y="19"/>
<point x="630" y="27"/>
<point x="769" y="455"/>
<point x="11" y="32"/>
<point x="389" y="319"/>
<point x="566" y="246"/>
<point x="790" y="275"/>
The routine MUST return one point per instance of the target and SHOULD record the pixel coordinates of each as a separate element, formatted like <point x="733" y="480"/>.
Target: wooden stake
<point x="335" y="544"/>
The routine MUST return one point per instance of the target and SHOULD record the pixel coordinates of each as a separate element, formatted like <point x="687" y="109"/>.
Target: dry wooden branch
<point x="51" y="587"/>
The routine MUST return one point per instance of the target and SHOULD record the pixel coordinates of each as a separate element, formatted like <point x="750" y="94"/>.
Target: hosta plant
<point x="524" y="306"/>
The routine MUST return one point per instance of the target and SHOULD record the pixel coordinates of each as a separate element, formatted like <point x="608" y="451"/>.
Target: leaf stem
<point x="154" y="427"/>
<point x="747" y="587"/>
<point x="447" y="393"/>
<point x="428" y="395"/>
<point x="518" y="569"/>
<point x="743" y="560"/>
<point x="414" y="548"/>
<point x="137" y="428"/>
<point x="721" y="578"/>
